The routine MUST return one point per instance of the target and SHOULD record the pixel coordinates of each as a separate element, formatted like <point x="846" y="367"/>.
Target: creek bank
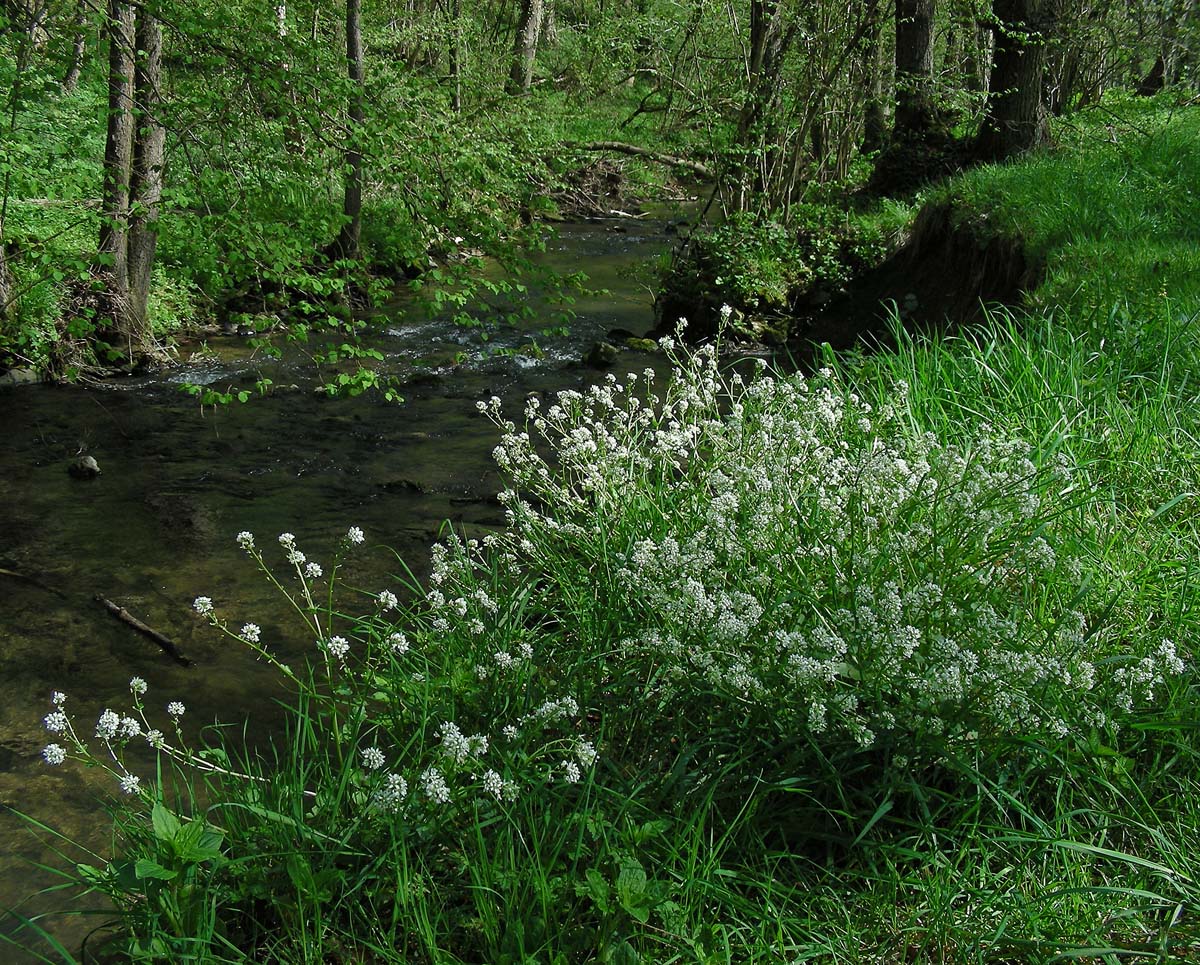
<point x="954" y="264"/>
<point x="840" y="281"/>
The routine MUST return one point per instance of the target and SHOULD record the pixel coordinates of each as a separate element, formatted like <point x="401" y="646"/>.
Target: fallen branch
<point x="168" y="646"/>
<point x="620" y="147"/>
<point x="14" y="575"/>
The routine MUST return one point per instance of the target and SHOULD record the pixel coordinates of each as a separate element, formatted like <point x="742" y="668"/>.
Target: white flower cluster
<point x="785" y="546"/>
<point x="114" y="730"/>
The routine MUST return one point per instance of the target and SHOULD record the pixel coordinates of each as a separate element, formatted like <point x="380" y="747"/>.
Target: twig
<point x="168" y="646"/>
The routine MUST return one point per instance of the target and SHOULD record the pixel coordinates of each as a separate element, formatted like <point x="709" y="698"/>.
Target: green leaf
<point x="632" y="892"/>
<point x="597" y="888"/>
<point x="145" y="868"/>
<point x="166" y="825"/>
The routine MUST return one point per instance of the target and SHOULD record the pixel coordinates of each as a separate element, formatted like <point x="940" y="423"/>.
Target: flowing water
<point x="157" y="527"/>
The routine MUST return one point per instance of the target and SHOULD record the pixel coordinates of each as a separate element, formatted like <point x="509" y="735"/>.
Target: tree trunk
<point x="118" y="163"/>
<point x="347" y="242"/>
<point x="6" y="281"/>
<point x="874" y="113"/>
<point x="914" y="68"/>
<point x="1015" y="118"/>
<point x="146" y="180"/>
<point x="456" y="57"/>
<point x="769" y="43"/>
<point x="529" y="26"/>
<point x="78" y="47"/>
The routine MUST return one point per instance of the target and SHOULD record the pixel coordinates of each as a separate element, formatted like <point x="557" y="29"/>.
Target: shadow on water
<point x="157" y="527"/>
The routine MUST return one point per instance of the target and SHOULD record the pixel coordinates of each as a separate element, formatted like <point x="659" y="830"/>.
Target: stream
<point x="156" y="528"/>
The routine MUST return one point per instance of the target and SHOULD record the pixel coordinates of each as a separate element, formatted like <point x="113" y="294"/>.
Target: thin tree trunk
<point x="769" y="43"/>
<point x="914" y="68"/>
<point x="456" y="57"/>
<point x="146" y="181"/>
<point x="529" y="27"/>
<point x="347" y="242"/>
<point x="874" y="113"/>
<point x="78" y="46"/>
<point x="118" y="162"/>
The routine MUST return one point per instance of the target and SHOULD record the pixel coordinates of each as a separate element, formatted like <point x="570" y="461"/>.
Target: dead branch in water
<point x="168" y="646"/>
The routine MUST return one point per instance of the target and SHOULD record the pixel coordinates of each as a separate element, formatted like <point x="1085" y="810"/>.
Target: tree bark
<point x="118" y="162"/>
<point x="529" y="27"/>
<point x="78" y="47"/>
<point x="874" y="113"/>
<point x="914" y="68"/>
<point x="1015" y="119"/>
<point x="348" y="239"/>
<point x="146" y="179"/>
<point x="456" y="57"/>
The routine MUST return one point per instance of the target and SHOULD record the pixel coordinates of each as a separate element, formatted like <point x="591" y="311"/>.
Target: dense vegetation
<point x="259" y="164"/>
<point x="890" y="662"/>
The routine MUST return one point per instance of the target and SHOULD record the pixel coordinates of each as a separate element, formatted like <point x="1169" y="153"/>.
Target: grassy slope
<point x="1104" y="365"/>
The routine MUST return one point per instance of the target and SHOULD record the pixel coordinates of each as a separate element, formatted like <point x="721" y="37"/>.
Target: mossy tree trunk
<point x="1016" y="118"/>
<point x="118" y="167"/>
<point x="146" y="179"/>
<point x="133" y="172"/>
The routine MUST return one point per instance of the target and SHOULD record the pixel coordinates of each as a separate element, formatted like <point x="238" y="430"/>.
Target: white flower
<point x="137" y="686"/>
<point x="454" y="744"/>
<point x="434" y="786"/>
<point x="251" y="633"/>
<point x="372" y="758"/>
<point x="56" y="722"/>
<point x="387" y="600"/>
<point x="493" y="784"/>
<point x="313" y="571"/>
<point x="338" y="647"/>
<point x="296" y="558"/>
<point x="391" y="795"/>
<point x="585" y="751"/>
<point x="571" y="772"/>
<point x="398" y="642"/>
<point x="355" y="535"/>
<point x="202" y="605"/>
<point x="130" y="727"/>
<point x="176" y="709"/>
<point x="106" y="726"/>
<point x="155" y="739"/>
<point x="510" y="732"/>
<point x="287" y="540"/>
<point x="54" y="754"/>
<point x="130" y="783"/>
<point x="245" y="539"/>
<point x="58" y="698"/>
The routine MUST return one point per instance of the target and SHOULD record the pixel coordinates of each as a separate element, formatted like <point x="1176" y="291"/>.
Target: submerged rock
<point x="641" y="344"/>
<point x="601" y="355"/>
<point x="83" y="467"/>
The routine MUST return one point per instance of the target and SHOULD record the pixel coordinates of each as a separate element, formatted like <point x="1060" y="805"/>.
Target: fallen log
<point x="620" y="147"/>
<point x="168" y="646"/>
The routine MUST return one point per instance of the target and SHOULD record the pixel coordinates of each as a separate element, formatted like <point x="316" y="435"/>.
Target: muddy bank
<point x="951" y="266"/>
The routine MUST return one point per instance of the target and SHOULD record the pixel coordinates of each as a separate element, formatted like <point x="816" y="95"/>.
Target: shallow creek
<point x="157" y="527"/>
